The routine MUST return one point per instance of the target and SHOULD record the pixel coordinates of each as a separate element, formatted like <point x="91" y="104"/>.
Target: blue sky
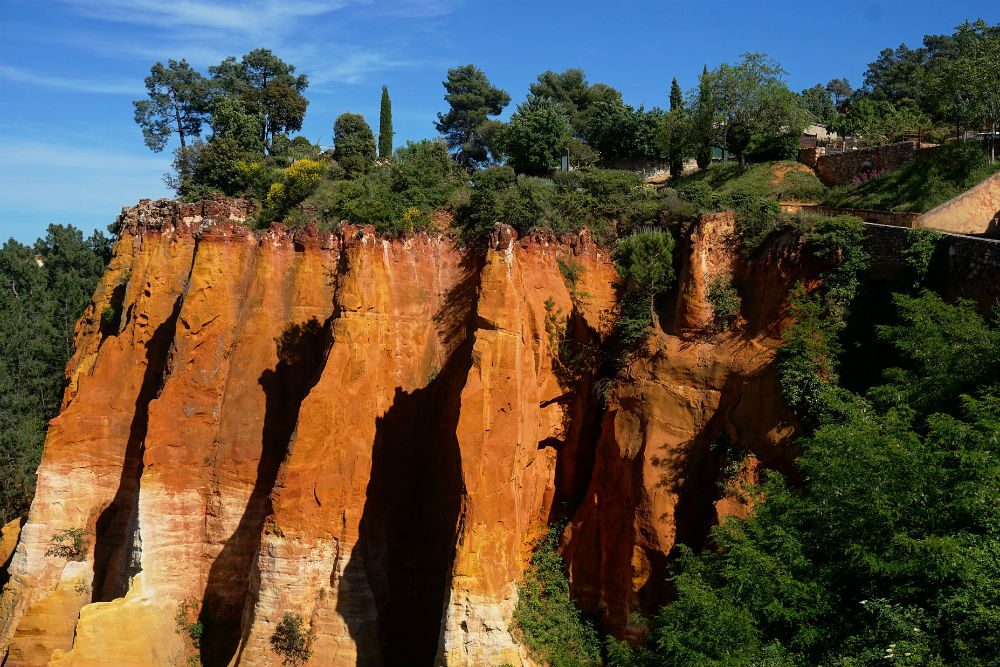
<point x="70" y="152"/>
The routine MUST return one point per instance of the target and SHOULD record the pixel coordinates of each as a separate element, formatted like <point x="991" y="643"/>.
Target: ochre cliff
<point x="372" y="434"/>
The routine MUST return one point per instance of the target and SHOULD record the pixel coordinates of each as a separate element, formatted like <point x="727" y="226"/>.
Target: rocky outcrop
<point x="370" y="434"/>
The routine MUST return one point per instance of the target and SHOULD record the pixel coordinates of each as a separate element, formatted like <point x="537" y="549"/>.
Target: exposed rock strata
<point x="371" y="434"/>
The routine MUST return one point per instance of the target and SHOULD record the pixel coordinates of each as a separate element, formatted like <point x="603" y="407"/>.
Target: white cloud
<point x="254" y="17"/>
<point x="68" y="156"/>
<point x="75" y="84"/>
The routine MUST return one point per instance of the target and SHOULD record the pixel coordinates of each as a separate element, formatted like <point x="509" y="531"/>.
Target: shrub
<point x="188" y="625"/>
<point x="645" y="270"/>
<point x="291" y="640"/>
<point x="297" y="182"/>
<point x="217" y="168"/>
<point x="70" y="544"/>
<point x="553" y="629"/>
<point x="725" y="301"/>
<point x="701" y="195"/>
<point x="920" y="251"/>
<point x="757" y="217"/>
<point x="354" y="143"/>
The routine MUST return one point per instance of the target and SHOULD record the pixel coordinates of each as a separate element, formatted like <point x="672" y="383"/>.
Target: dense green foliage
<point x="609" y="203"/>
<point x="932" y="178"/>
<point x="886" y="554"/>
<point x="553" y="629"/>
<point x="397" y="198"/>
<point x="645" y="262"/>
<point x="353" y="143"/>
<point x="725" y="301"/>
<point x="534" y="136"/>
<point x="39" y="307"/>
<point x="575" y="95"/>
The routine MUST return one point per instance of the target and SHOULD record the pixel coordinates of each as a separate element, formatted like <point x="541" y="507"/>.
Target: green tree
<point x="269" y="89"/>
<point x="230" y="120"/>
<point x="645" y="262"/>
<point x="817" y="102"/>
<point x="385" y="125"/>
<point x="984" y="76"/>
<point x="884" y="552"/>
<point x="840" y="89"/>
<point x="621" y="132"/>
<point x="755" y="105"/>
<point x="879" y="121"/>
<point x="675" y="133"/>
<point x="574" y="94"/>
<point x="703" y="120"/>
<point x="177" y="102"/>
<point x="472" y="99"/>
<point x="553" y="628"/>
<point x="353" y="143"/>
<point x="536" y="133"/>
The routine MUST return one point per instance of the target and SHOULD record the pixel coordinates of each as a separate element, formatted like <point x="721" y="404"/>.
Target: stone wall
<point x="840" y="168"/>
<point x="868" y="215"/>
<point x="970" y="267"/>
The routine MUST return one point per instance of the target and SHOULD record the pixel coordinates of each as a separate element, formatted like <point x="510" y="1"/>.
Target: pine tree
<point x="471" y="99"/>
<point x="385" y="126"/>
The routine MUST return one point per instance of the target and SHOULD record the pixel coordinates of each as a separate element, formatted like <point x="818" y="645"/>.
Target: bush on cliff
<point x="553" y="629"/>
<point x="645" y="262"/>
<point x="611" y="204"/>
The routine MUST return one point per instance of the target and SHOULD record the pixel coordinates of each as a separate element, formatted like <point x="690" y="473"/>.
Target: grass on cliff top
<point x="784" y="180"/>
<point x="931" y="179"/>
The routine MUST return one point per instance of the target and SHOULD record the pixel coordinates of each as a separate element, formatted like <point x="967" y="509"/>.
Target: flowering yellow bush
<point x="298" y="181"/>
<point x="413" y="218"/>
<point x="275" y="196"/>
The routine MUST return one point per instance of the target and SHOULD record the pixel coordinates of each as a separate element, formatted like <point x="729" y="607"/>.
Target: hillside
<point x="784" y="180"/>
<point x="932" y="178"/>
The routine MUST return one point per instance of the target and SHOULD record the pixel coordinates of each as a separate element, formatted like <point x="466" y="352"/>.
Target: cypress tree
<point x="385" y="125"/>
<point x="676" y="97"/>
<point x="704" y="121"/>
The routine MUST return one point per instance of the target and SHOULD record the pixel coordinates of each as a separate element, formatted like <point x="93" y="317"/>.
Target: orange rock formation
<point x="371" y="434"/>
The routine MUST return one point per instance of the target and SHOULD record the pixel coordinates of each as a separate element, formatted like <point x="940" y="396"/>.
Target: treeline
<point x="43" y="290"/>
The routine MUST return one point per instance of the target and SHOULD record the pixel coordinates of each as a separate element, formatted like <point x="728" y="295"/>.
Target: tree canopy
<point x="353" y="142"/>
<point x="754" y="105"/>
<point x="535" y="135"/>
<point x="43" y="291"/>
<point x="177" y="102"/>
<point x="472" y="99"/>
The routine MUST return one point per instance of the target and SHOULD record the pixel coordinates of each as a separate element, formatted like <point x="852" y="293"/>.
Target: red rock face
<point x="371" y="434"/>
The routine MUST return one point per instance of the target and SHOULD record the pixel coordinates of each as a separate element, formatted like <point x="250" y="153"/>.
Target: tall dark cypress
<point x="704" y="120"/>
<point x="385" y="126"/>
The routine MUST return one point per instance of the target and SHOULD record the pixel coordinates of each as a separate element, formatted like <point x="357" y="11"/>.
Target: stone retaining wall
<point x="841" y="168"/>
